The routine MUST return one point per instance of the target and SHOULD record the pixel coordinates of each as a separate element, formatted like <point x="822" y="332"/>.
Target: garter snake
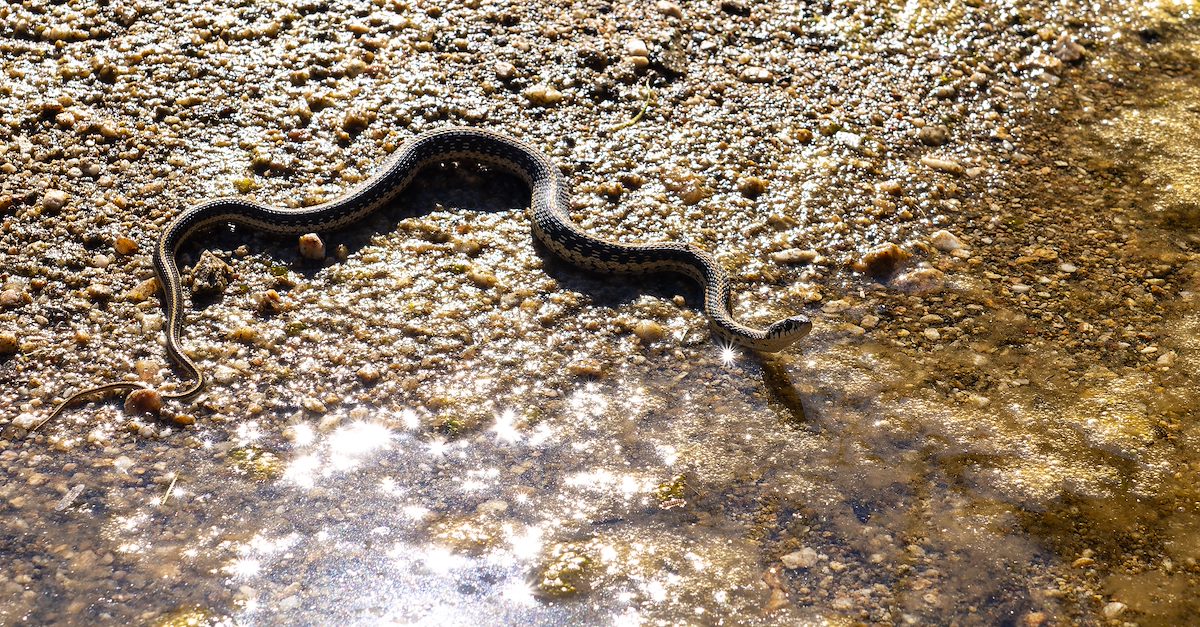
<point x="551" y="223"/>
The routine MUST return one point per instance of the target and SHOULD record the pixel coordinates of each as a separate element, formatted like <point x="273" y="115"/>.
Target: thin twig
<point x="166" y="495"/>
<point x="640" y="114"/>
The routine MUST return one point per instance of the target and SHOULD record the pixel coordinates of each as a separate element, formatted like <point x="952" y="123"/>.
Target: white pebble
<point x="54" y="199"/>
<point x="945" y="241"/>
<point x="25" y="420"/>
<point x="311" y="247"/>
<point x="1114" y="609"/>
<point x="804" y="558"/>
<point x="635" y="47"/>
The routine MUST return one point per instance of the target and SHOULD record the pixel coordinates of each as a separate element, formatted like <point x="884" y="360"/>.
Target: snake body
<point x="551" y="223"/>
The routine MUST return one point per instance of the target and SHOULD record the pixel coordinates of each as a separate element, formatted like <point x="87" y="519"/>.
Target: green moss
<point x="672" y="490"/>
<point x="256" y="462"/>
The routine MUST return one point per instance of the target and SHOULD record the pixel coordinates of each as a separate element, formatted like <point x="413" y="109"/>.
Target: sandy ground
<point x="990" y="211"/>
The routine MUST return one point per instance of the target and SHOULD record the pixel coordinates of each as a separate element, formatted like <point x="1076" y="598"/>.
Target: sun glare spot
<point x="505" y="429"/>
<point x="243" y="567"/>
<point x="728" y="355"/>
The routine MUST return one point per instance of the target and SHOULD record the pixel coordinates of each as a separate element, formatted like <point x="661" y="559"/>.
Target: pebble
<point x="669" y="9"/>
<point x="505" y="71"/>
<point x="1114" y="609"/>
<point x="143" y="290"/>
<point x="12" y="298"/>
<point x="53" y="200"/>
<point x="752" y="186"/>
<point x="368" y="374"/>
<point x="882" y="261"/>
<point x="635" y="47"/>
<point x="945" y="241"/>
<point x="804" y="558"/>
<point x="482" y="278"/>
<point x="934" y="135"/>
<point x="543" y="95"/>
<point x="25" y="420"/>
<point x="125" y="246"/>
<point x="312" y="247"/>
<point x="755" y="74"/>
<point x="210" y="276"/>
<point x="1068" y="268"/>
<point x="269" y="303"/>
<point x="943" y="165"/>
<point x="1067" y="50"/>
<point x="795" y="256"/>
<point x="586" y="368"/>
<point x="9" y="344"/>
<point x="648" y="331"/>
<point x="920" y="281"/>
<point x="99" y="292"/>
<point x="142" y="402"/>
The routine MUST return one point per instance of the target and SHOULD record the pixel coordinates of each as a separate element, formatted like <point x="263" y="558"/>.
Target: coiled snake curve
<point x="551" y="225"/>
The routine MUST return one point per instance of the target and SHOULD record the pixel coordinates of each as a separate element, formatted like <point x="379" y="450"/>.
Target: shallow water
<point x="445" y="425"/>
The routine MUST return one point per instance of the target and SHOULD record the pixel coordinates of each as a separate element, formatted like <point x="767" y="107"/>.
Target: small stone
<point x="755" y="74"/>
<point x="25" y="421"/>
<point x="368" y="374"/>
<point x="669" y="9"/>
<point x="543" y="95"/>
<point x="1114" y="609"/>
<point x="53" y="200"/>
<point x="1034" y="619"/>
<point x="1083" y="562"/>
<point x="482" y="278"/>
<point x="183" y="420"/>
<point x="210" y="276"/>
<point x="945" y="241"/>
<point x="932" y="334"/>
<point x="12" y="298"/>
<point x="9" y="344"/>
<point x="245" y="335"/>
<point x="1068" y="268"/>
<point x="356" y="120"/>
<point x="735" y="7"/>
<point x="920" y="281"/>
<point x="882" y="261"/>
<point x="1067" y="50"/>
<point x="143" y="290"/>
<point x="869" y="321"/>
<point x="944" y="92"/>
<point x="142" y="402"/>
<point x="795" y="256"/>
<point x="586" y="368"/>
<point x="752" y="186"/>
<point x="848" y="139"/>
<point x="804" y="558"/>
<point x="125" y="246"/>
<point x="943" y="165"/>
<point x="635" y="47"/>
<point x="1165" y="359"/>
<point x="312" y="247"/>
<point x="314" y="405"/>
<point x="934" y="135"/>
<point x="891" y="187"/>
<point x="269" y="303"/>
<point x="505" y="71"/>
<point x="99" y="292"/>
<point x="648" y="331"/>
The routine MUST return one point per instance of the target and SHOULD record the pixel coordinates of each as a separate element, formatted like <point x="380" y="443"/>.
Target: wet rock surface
<point x="988" y="209"/>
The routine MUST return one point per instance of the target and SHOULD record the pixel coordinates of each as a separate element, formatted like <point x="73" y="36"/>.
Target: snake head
<point x="784" y="333"/>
